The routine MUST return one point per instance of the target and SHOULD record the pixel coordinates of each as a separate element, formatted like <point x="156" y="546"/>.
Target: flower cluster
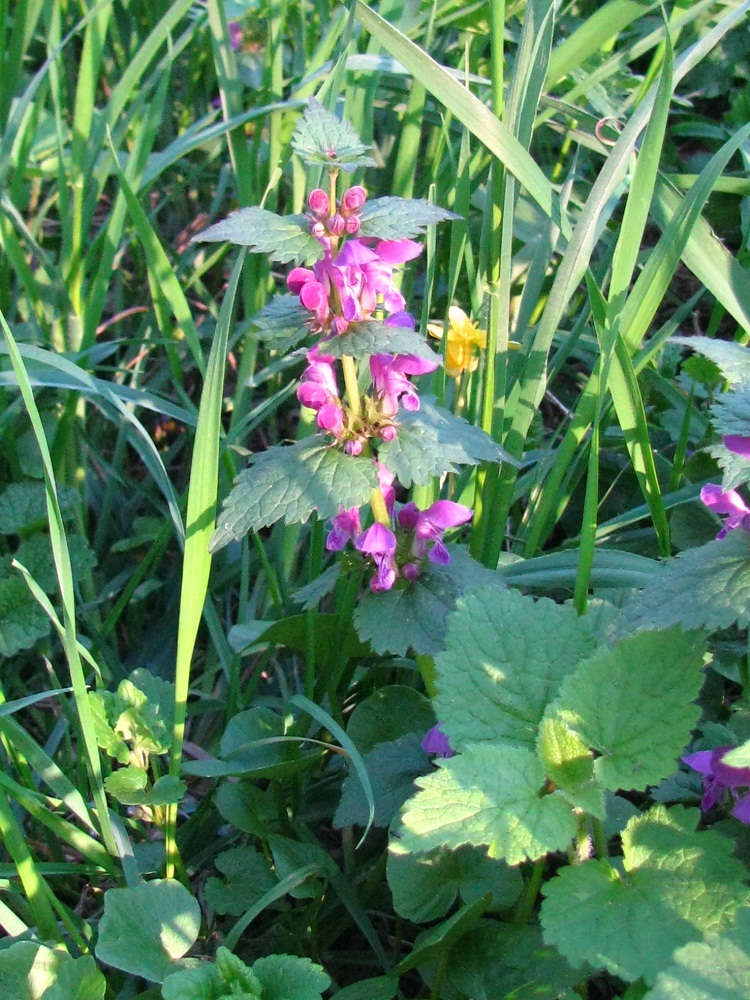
<point x="416" y="537"/>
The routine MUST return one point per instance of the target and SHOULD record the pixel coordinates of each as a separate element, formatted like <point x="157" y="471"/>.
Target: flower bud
<point x="353" y="224"/>
<point x="410" y="571"/>
<point x="336" y="224"/>
<point x="318" y="230"/>
<point x="388" y="432"/>
<point x="318" y="202"/>
<point x="353" y="199"/>
<point x="353" y="447"/>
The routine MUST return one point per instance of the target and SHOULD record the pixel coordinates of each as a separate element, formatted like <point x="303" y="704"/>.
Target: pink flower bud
<point x="353" y="447"/>
<point x="318" y="202"/>
<point x="336" y="224"/>
<point x="353" y="199"/>
<point x="388" y="432"/>
<point x="353" y="224"/>
<point x="318" y="230"/>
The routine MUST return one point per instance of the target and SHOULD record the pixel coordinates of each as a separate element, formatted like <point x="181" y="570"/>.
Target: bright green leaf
<point x="374" y="337"/>
<point x="321" y="139"/>
<point x="400" y="218"/>
<point x="30" y="971"/>
<point x="283" y="238"/>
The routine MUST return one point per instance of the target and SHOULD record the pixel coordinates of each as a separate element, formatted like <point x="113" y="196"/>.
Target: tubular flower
<point x="380" y="543"/>
<point x="430" y="525"/>
<point x="345" y="527"/>
<point x="726" y="502"/>
<point x="389" y="378"/>
<point x="463" y="336"/>
<point x="318" y="391"/>
<point x="365" y="276"/>
<point x="720" y="778"/>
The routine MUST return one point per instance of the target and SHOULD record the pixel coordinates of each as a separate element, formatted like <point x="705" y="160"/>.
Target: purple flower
<point x="345" y="527"/>
<point x="435" y="741"/>
<point x="380" y="543"/>
<point x="366" y="276"/>
<point x="235" y="34"/>
<point x="720" y="778"/>
<point x="738" y="443"/>
<point x="353" y="198"/>
<point x="726" y="502"/>
<point x="318" y="390"/>
<point x="386" y="480"/>
<point x="318" y="203"/>
<point x="390" y="380"/>
<point x="430" y="525"/>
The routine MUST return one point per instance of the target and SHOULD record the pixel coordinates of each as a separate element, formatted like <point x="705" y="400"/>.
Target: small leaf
<point x="248" y="878"/>
<point x="431" y="441"/>
<point x="283" y="238"/>
<point x="24" y="506"/>
<point x="707" y="587"/>
<point x="127" y="785"/>
<point x="147" y="927"/>
<point x="289" y="977"/>
<point x="677" y="884"/>
<point x="22" y="621"/>
<point x="283" y="323"/>
<point x="566" y="758"/>
<point x="400" y="218"/>
<point x="392" y="768"/>
<point x="373" y="337"/>
<point x="634" y="704"/>
<point x="321" y="139"/>
<point x="289" y="483"/>
<point x="504" y="660"/>
<point x="488" y="795"/>
<point x="227" y="977"/>
<point x="380" y="988"/>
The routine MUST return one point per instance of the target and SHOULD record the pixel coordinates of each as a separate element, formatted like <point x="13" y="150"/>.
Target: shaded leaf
<point x="283" y="323"/>
<point x="22" y="621"/>
<point x="387" y="714"/>
<point x="392" y="768"/>
<point x="283" y="238"/>
<point x="24" y="506"/>
<point x="248" y="877"/>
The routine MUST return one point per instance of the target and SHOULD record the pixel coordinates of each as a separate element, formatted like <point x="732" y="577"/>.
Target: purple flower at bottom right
<point x="720" y="778"/>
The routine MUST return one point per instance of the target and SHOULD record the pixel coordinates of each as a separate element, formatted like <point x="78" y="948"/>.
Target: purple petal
<point x="438" y="554"/>
<point x="742" y="810"/>
<point x="447" y="514"/>
<point x="397" y="251"/>
<point x="435" y="741"/>
<point x="723" y="502"/>
<point x="738" y="443"/>
<point x="377" y="540"/>
<point x="700" y="761"/>
<point x="410" y="364"/>
<point x="401" y="319"/>
<point x="730" y="777"/>
<point x="354" y="253"/>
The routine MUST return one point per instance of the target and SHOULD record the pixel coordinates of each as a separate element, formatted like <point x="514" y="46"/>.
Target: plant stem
<point x="352" y="388"/>
<point x="525" y="905"/>
<point x="379" y="509"/>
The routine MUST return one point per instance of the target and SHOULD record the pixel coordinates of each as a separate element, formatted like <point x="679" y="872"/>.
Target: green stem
<point x="525" y="905"/>
<point x="352" y="387"/>
<point x="426" y="666"/>
<point x="379" y="509"/>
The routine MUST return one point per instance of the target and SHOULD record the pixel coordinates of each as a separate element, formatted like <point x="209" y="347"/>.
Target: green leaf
<point x="373" y="337"/>
<point x="310" y="596"/>
<point x="504" y="660"/>
<point x="22" y="621"/>
<point x="488" y="795"/>
<point x="392" y="768"/>
<point x="732" y="359"/>
<point x="227" y="977"/>
<point x="707" y="587"/>
<point x="425" y="886"/>
<point x="245" y="806"/>
<point x="431" y="441"/>
<point x="387" y="714"/>
<point x="634" y="705"/>
<point x="292" y="856"/>
<point x="380" y="988"/>
<point x="248" y="877"/>
<point x="293" y="632"/>
<point x="438" y="940"/>
<point x="24" y="506"/>
<point x="416" y="613"/>
<point x="30" y="971"/>
<point x="566" y="758"/>
<point x="35" y="553"/>
<point x="250" y="745"/>
<point x="283" y="323"/>
<point x="283" y="238"/>
<point x="289" y="483"/>
<point x="289" y="977"/>
<point x="400" y="218"/>
<point x="321" y="139"/>
<point x="717" y="968"/>
<point x="676" y="885"/>
<point x="147" y="927"/>
<point x="731" y="412"/>
<point x="127" y="785"/>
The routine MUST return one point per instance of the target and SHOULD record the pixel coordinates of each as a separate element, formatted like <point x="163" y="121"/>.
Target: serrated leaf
<point x="707" y="587"/>
<point x="425" y="886"/>
<point x="732" y="359"/>
<point x="394" y="218"/>
<point x="283" y="238"/>
<point x="289" y="977"/>
<point x="431" y="441"/>
<point x="35" y="553"/>
<point x="676" y="885"/>
<point x="288" y="484"/>
<point x="416" y="613"/>
<point x="24" y="506"/>
<point x="387" y="714"/>
<point x="370" y="337"/>
<point x="321" y="139"/>
<point x="283" y="323"/>
<point x="505" y="657"/>
<point x="145" y="928"/>
<point x="731" y="411"/>
<point x="227" y="977"/>
<point x="566" y="758"/>
<point x="717" y="968"/>
<point x="248" y="877"/>
<point x="736" y="472"/>
<point x="488" y="795"/>
<point x="633" y="704"/>
<point x="22" y="621"/>
<point x="29" y="971"/>
<point x="392" y="768"/>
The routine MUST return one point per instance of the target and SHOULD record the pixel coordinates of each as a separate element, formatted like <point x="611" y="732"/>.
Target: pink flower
<point x="430" y="525"/>
<point x="345" y="527"/>
<point x="380" y="543"/>
<point x="738" y="443"/>
<point x="719" y="778"/>
<point x="353" y="199"/>
<point x="386" y="480"/>
<point x="318" y="203"/>
<point x="367" y="276"/>
<point x="726" y="502"/>
<point x="318" y="390"/>
<point x="389" y="378"/>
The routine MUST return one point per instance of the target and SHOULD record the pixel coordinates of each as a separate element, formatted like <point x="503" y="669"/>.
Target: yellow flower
<point x="463" y="335"/>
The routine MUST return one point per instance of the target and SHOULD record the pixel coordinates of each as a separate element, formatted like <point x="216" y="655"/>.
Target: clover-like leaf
<point x="431" y="441"/>
<point x="394" y="218"/>
<point x="283" y="238"/>
<point x="375" y="337"/>
<point x="145" y="928"/>
<point x="392" y="768"/>
<point x="425" y="886"/>
<point x="282" y="323"/>
<point x="634" y="705"/>
<point x="717" y="968"/>
<point x="707" y="587"/>
<point x="289" y="483"/>
<point x="488" y="795"/>
<point x="322" y="139"/>
<point x="505" y="657"/>
<point x="676" y="885"/>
